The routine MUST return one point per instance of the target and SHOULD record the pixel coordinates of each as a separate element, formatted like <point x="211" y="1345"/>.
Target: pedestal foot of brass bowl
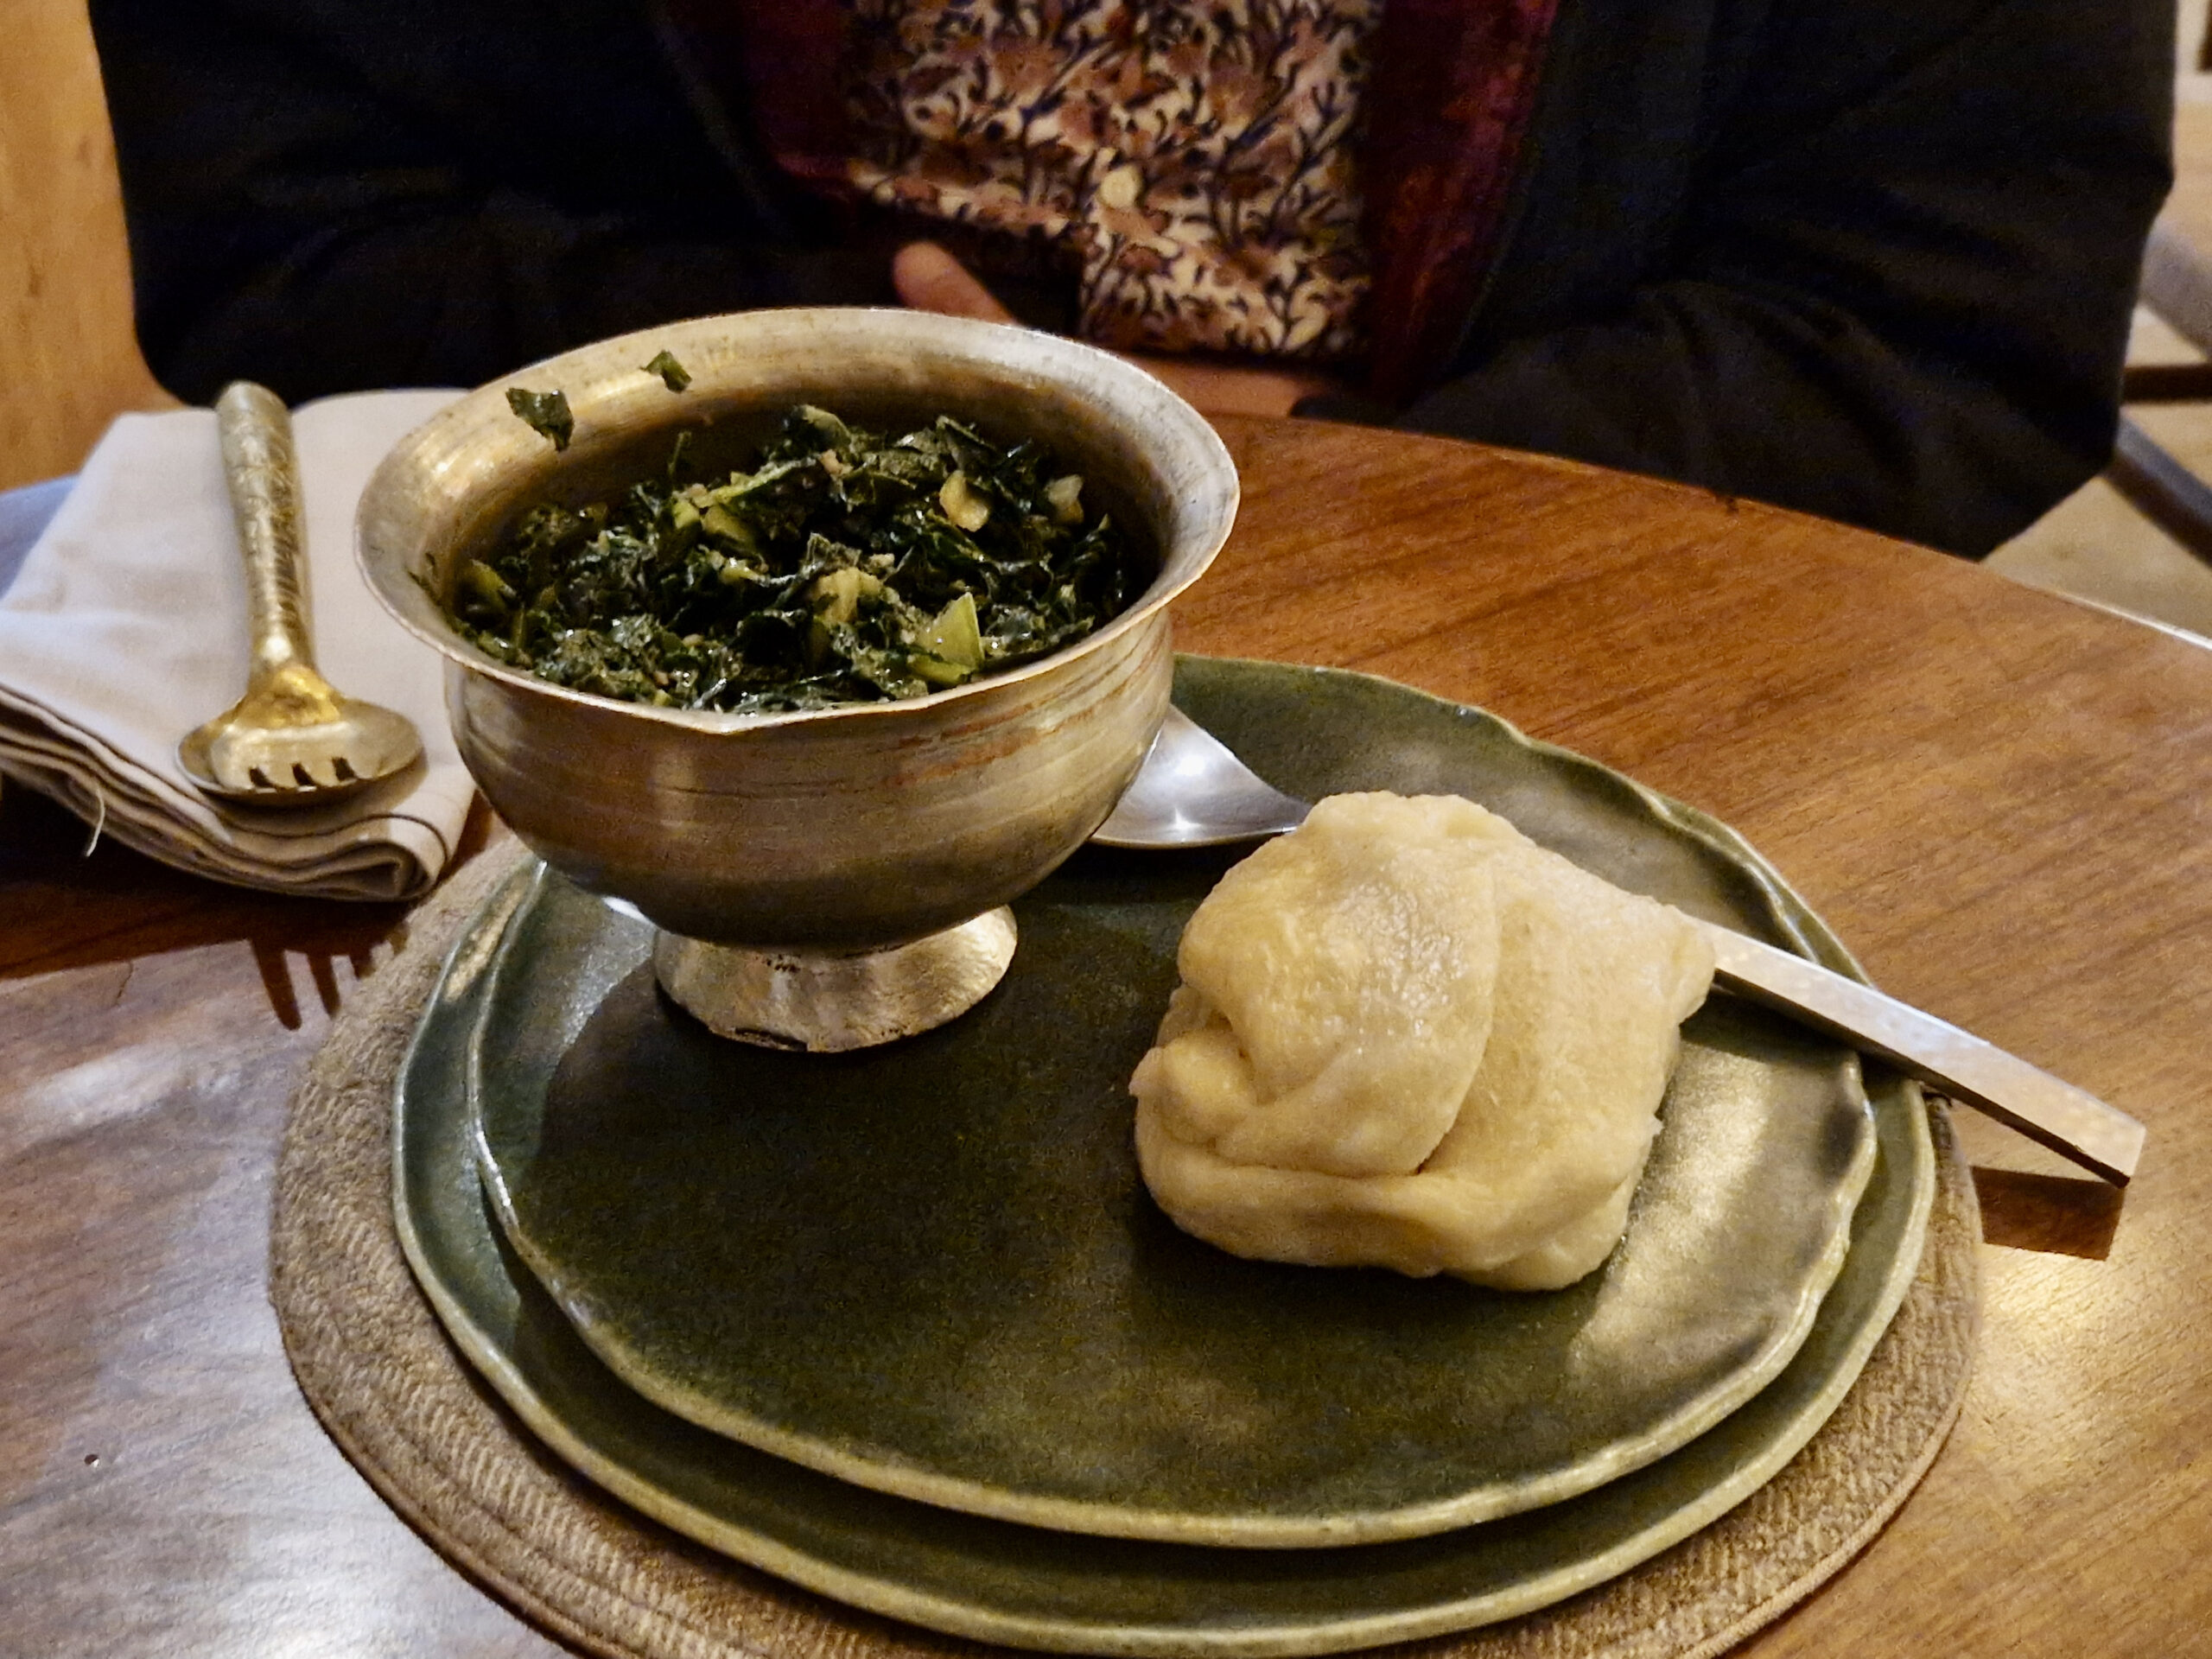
<point x="825" y="1001"/>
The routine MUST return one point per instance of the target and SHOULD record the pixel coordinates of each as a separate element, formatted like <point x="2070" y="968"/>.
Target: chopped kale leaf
<point x="673" y="374"/>
<point x="847" y="566"/>
<point x="546" y="411"/>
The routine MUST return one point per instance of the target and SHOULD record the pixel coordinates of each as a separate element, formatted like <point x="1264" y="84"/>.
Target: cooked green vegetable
<point x="548" y="411"/>
<point x="847" y="566"/>
<point x="673" y="374"/>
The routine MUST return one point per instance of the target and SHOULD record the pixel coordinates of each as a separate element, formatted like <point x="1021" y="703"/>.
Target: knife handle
<point x="2073" y="1123"/>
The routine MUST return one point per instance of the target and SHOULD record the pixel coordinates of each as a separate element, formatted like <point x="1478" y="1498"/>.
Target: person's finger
<point x="928" y="278"/>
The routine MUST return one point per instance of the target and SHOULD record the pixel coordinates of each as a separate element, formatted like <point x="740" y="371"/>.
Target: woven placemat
<point x="377" y="1368"/>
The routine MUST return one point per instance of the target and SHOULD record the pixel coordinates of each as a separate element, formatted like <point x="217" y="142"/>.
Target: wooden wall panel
<point x="69" y="358"/>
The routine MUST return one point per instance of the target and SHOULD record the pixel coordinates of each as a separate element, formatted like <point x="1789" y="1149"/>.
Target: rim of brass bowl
<point x="452" y="484"/>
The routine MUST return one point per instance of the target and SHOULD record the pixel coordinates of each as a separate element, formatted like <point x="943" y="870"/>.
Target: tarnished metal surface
<point x="826" y="1001"/>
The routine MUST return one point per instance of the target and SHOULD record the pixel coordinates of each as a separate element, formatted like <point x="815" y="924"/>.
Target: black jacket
<point x="1870" y="259"/>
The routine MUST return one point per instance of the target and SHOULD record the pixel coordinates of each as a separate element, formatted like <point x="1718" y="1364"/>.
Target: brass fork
<point x="293" y="739"/>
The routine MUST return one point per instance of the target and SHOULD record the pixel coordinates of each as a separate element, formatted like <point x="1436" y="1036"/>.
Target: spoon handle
<point x="259" y="464"/>
<point x="2075" y="1124"/>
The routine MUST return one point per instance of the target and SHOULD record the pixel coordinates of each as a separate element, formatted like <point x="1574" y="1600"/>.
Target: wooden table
<point x="2002" y="800"/>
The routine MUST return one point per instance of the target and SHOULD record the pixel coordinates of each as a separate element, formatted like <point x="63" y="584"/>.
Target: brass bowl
<point x="836" y="831"/>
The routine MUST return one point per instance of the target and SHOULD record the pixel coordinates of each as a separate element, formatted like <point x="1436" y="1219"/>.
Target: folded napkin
<point x="125" y="627"/>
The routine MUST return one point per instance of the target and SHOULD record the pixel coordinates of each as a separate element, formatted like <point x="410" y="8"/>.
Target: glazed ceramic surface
<point x="842" y="829"/>
<point x="1003" y="1582"/>
<point x="933" y="1270"/>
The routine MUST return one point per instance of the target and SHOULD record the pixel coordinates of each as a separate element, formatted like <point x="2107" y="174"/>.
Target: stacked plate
<point x="903" y="1326"/>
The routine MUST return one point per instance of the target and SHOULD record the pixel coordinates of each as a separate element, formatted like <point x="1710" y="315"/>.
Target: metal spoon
<point x="1192" y="791"/>
<point x="292" y="739"/>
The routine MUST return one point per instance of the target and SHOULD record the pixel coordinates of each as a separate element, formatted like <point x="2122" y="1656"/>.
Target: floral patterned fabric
<point x="1196" y="160"/>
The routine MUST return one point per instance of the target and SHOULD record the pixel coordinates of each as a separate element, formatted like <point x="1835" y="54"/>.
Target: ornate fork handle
<point x="262" y="469"/>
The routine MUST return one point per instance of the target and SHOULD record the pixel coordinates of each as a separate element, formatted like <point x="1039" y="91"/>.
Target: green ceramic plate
<point x="1006" y="1582"/>
<point x="932" y="1268"/>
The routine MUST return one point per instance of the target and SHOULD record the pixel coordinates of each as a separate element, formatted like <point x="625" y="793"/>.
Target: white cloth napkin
<point x="126" y="628"/>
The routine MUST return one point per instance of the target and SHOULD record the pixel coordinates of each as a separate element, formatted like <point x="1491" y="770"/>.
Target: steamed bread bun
<point x="1409" y="1037"/>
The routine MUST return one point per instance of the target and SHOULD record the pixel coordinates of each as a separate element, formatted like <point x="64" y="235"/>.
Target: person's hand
<point x="930" y="279"/>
